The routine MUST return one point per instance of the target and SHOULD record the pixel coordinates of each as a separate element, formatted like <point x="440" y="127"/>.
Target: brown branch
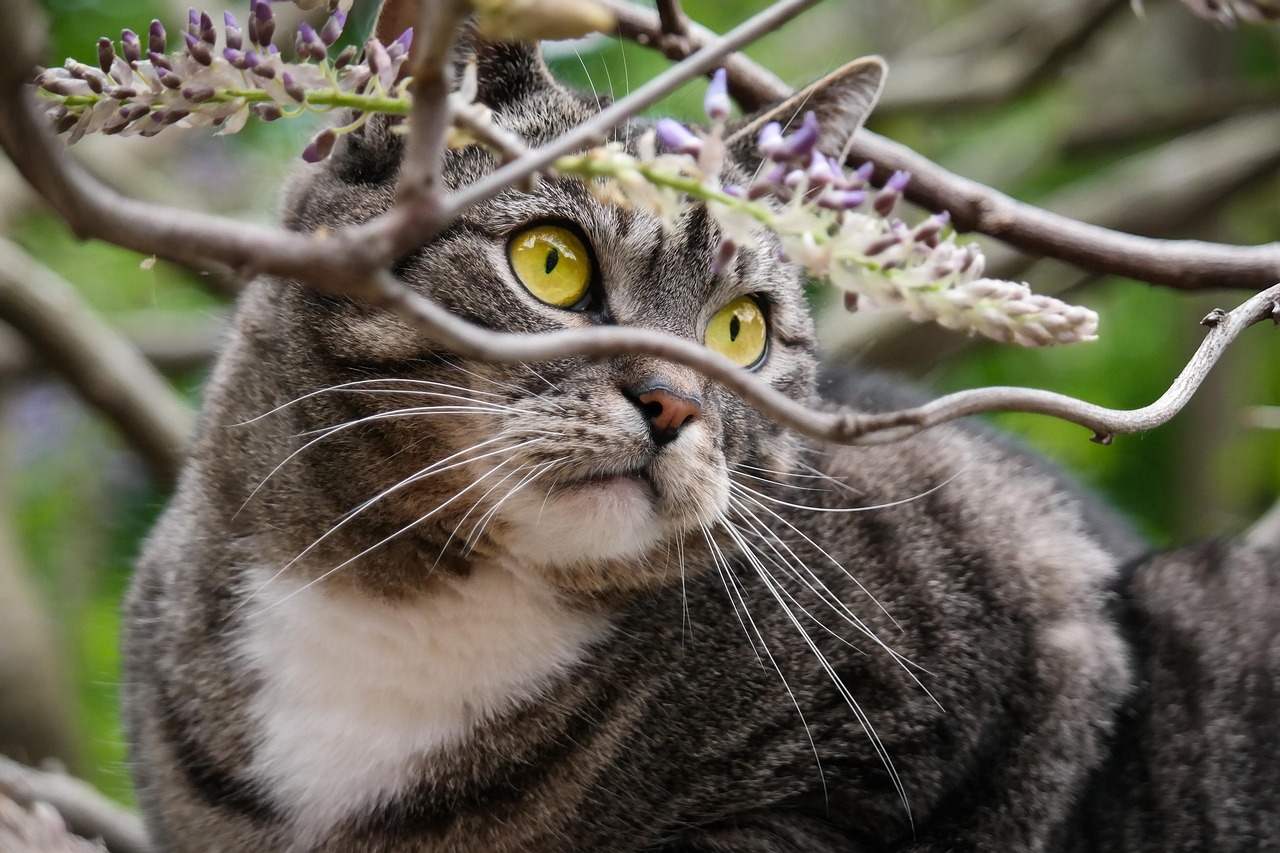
<point x="1190" y="264"/>
<point x="985" y="77"/>
<point x="353" y="261"/>
<point x="843" y="427"/>
<point x="99" y="362"/>
<point x="87" y="812"/>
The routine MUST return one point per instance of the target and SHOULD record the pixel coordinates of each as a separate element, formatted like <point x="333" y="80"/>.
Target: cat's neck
<point x="357" y="693"/>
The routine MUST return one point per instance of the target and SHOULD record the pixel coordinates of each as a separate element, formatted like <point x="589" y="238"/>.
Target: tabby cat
<point x="406" y="601"/>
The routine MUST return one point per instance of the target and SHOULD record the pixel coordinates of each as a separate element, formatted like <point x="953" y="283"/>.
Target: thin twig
<point x="353" y="262"/>
<point x="1189" y="264"/>
<point x="98" y="361"/>
<point x="843" y="427"/>
<point x="705" y="60"/>
<point x="420" y="186"/>
<point x="87" y="812"/>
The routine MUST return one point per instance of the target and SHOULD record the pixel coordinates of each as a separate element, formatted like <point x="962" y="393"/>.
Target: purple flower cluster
<point x="217" y="77"/>
<point x="836" y="225"/>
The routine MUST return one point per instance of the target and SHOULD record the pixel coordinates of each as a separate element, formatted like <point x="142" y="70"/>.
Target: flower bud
<point x="771" y="143"/>
<point x="292" y="89"/>
<point x="309" y="44"/>
<point x="198" y="50"/>
<point x="716" y="102"/>
<point x="106" y="54"/>
<point x="677" y="137"/>
<point x="320" y="147"/>
<point x="131" y="46"/>
<point x="156" y="38"/>
<point x="235" y="38"/>
<point x="332" y="28"/>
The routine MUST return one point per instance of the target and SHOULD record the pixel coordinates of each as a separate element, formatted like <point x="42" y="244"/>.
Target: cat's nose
<point x="666" y="410"/>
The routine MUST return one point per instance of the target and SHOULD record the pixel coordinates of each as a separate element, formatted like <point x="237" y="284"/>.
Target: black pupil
<point x="553" y="258"/>
<point x="735" y="326"/>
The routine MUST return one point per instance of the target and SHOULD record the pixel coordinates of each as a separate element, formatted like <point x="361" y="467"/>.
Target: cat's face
<point x="597" y="475"/>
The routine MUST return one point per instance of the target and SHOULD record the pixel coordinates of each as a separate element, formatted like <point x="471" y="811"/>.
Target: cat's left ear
<point x="842" y="101"/>
<point x="505" y="71"/>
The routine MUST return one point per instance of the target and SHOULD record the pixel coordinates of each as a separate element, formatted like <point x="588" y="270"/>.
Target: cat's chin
<point x="606" y="518"/>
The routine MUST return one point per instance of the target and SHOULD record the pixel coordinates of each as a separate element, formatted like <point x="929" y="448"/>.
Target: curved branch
<point x="98" y="361"/>
<point x="987" y="76"/>
<point x="87" y="812"/>
<point x="353" y="261"/>
<point x="844" y="426"/>
<point x="1187" y="264"/>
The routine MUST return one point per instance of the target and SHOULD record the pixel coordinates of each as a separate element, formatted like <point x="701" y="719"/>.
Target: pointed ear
<point x="842" y="101"/>
<point x="505" y="71"/>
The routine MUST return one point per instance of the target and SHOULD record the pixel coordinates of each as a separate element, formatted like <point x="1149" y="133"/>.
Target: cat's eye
<point x="739" y="331"/>
<point x="552" y="263"/>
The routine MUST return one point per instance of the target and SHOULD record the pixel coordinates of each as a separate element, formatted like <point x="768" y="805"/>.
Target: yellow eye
<point x="738" y="331"/>
<point x="552" y="264"/>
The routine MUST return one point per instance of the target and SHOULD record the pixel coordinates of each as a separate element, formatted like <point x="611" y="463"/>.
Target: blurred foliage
<point x="84" y="501"/>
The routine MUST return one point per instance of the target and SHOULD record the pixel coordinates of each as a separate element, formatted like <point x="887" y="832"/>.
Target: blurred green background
<point x="1164" y="125"/>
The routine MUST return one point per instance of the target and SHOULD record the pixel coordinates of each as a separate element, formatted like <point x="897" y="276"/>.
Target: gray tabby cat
<point x="403" y="601"/>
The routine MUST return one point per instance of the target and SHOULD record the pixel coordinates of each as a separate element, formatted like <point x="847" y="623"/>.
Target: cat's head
<point x="597" y="475"/>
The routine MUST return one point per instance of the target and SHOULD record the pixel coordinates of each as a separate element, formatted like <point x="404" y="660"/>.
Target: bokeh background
<point x="1159" y="123"/>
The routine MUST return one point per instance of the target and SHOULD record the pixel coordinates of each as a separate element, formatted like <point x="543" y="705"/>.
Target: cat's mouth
<point x="632" y="479"/>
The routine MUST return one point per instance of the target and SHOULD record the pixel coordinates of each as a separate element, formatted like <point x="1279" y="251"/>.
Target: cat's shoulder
<point x="970" y="459"/>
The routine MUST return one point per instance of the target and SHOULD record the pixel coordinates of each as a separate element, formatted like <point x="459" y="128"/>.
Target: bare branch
<point x="842" y="427"/>
<point x="353" y="261"/>
<point x="87" y="812"/>
<point x="1187" y="264"/>
<point x="706" y="59"/>
<point x="673" y="19"/>
<point x="986" y="77"/>
<point x="99" y="362"/>
<point x="421" y="186"/>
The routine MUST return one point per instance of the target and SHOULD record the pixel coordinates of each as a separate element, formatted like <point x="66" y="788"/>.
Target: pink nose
<point x="667" y="412"/>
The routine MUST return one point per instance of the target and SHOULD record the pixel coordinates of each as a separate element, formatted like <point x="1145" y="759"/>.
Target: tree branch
<point x="87" y="812"/>
<point x="353" y="261"/>
<point x="984" y="77"/>
<point x="99" y="362"/>
<point x="1189" y="264"/>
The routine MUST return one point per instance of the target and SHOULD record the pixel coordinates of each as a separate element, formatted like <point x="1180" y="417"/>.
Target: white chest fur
<point x="356" y="692"/>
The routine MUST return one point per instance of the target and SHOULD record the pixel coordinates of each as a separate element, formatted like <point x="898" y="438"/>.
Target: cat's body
<point x="557" y="640"/>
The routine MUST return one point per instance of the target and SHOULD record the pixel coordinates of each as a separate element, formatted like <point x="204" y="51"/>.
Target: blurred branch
<point x="1190" y="264"/>
<point x="1044" y="41"/>
<point x="1105" y="131"/>
<point x="87" y="812"/>
<point x="173" y="341"/>
<point x="39" y="829"/>
<point x="353" y="261"/>
<point x="95" y="359"/>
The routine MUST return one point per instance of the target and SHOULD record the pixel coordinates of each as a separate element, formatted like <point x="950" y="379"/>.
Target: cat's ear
<point x="505" y="71"/>
<point x="842" y="101"/>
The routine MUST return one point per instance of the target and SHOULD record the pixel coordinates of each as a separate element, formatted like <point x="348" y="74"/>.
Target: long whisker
<point x="478" y="529"/>
<point x="375" y="545"/>
<point x="436" y="467"/>
<point x="737" y="597"/>
<point x="741" y="491"/>
<point x="849" y="509"/>
<point x="876" y="743"/>
<point x="358" y="385"/>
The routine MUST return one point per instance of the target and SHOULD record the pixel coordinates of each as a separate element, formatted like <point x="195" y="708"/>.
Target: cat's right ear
<point x="505" y="71"/>
<point x="841" y="101"/>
